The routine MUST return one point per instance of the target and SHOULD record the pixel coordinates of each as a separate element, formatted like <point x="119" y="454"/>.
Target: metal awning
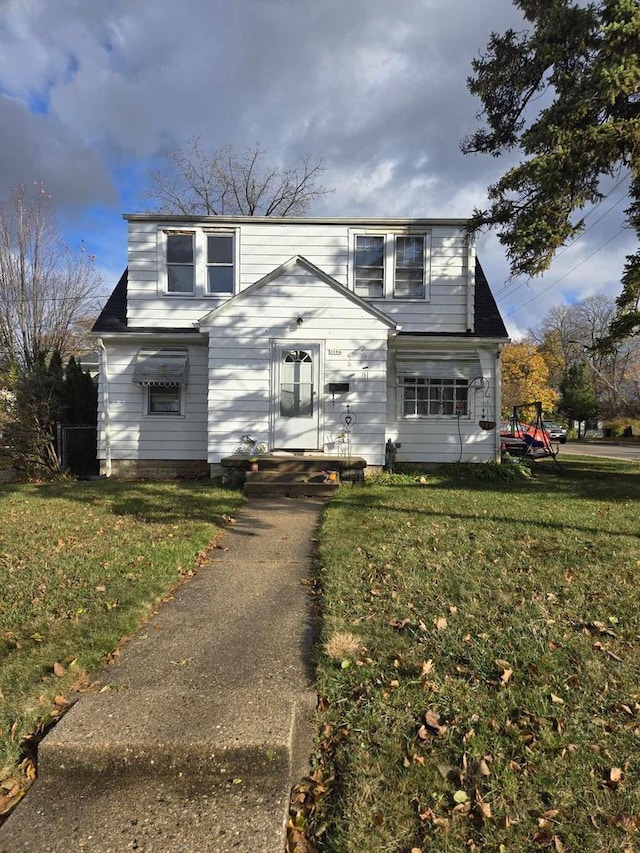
<point x="435" y="366"/>
<point x="161" y="367"/>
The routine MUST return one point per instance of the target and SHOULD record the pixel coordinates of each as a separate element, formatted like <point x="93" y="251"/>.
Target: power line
<point x="509" y="285"/>
<point x="558" y="280"/>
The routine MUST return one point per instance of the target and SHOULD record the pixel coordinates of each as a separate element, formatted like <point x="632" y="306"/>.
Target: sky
<point x="93" y="93"/>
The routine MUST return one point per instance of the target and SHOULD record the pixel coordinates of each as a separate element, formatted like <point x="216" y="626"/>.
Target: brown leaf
<point x="432" y="720"/>
<point x="483" y="768"/>
<point x="7" y="803"/>
<point x="441" y="623"/>
<point x="483" y="808"/>
<point x="59" y="670"/>
<point x="506" y="675"/>
<point x="427" y="668"/>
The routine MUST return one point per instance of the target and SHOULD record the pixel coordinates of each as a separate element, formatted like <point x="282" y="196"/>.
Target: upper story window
<point x="409" y="279"/>
<point x="391" y="265"/>
<point x="369" y="266"/>
<point x="180" y="263"/>
<point x="220" y="263"/>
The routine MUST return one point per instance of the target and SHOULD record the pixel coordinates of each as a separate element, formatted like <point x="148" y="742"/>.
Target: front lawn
<point x="81" y="566"/>
<point x="480" y="664"/>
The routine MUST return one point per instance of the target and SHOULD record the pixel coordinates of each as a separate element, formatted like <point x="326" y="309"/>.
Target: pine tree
<point x="581" y="63"/>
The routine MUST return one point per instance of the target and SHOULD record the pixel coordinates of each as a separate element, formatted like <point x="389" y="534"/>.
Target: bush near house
<point x="479" y="664"/>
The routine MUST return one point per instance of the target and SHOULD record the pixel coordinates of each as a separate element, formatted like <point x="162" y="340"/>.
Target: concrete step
<point x="161" y="814"/>
<point x="267" y="488"/>
<point x="153" y="770"/>
<point x="277" y="476"/>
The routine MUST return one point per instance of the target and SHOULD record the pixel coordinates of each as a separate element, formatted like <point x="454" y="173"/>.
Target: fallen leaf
<point x="441" y="623"/>
<point x="483" y="768"/>
<point x="556" y="699"/>
<point x="460" y="797"/>
<point x="59" y="670"/>
<point x="483" y="808"/>
<point x="506" y="675"/>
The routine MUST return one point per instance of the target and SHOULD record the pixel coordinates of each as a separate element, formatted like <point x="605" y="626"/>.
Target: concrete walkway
<point x="205" y="722"/>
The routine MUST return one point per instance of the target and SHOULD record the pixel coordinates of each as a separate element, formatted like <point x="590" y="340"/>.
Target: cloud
<point x="92" y="93"/>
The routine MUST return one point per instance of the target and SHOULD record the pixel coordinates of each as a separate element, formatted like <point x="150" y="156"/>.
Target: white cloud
<point x="87" y="90"/>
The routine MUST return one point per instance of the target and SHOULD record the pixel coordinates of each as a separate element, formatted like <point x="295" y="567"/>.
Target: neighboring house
<point x="281" y="327"/>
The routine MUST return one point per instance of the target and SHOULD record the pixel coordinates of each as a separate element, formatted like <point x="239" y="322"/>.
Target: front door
<point x="296" y="415"/>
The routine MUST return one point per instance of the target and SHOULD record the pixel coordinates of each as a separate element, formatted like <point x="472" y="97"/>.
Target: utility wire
<point x="509" y="286"/>
<point x="583" y="261"/>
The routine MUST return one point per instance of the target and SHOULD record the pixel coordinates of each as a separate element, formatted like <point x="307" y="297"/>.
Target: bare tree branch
<point x="219" y="182"/>
<point x="45" y="286"/>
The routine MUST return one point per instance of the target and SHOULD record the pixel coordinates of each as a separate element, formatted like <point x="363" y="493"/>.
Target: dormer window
<point x="220" y="263"/>
<point x="409" y="278"/>
<point x="180" y="266"/>
<point x="390" y="265"/>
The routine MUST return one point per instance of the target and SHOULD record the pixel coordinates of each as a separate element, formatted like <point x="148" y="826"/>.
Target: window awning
<point x="161" y="367"/>
<point x="450" y="366"/>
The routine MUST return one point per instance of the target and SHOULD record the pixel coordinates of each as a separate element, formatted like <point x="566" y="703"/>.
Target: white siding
<point x="353" y="349"/>
<point x="128" y="433"/>
<point x="431" y="440"/>
<point x="265" y="245"/>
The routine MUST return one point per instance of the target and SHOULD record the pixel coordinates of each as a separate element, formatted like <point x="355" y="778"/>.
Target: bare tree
<point x="570" y="334"/>
<point x="46" y="287"/>
<point x="196" y="180"/>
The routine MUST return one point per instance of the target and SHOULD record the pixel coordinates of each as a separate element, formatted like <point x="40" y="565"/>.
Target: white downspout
<point x="498" y="398"/>
<point x="103" y="387"/>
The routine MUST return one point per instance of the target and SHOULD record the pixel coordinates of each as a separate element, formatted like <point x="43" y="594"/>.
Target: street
<point x="611" y="450"/>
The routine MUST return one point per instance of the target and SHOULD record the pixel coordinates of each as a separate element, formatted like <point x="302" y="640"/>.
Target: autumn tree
<point x="216" y="182"/>
<point x="525" y="378"/>
<point x="568" y="333"/>
<point x="46" y="287"/>
<point x="565" y="92"/>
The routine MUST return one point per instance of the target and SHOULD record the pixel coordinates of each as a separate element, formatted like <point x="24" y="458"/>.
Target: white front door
<point x="296" y="401"/>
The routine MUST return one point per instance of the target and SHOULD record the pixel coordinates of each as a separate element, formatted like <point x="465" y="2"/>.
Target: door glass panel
<point x="296" y="384"/>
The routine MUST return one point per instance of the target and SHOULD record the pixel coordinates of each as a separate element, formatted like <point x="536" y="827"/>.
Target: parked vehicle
<point x="556" y="432"/>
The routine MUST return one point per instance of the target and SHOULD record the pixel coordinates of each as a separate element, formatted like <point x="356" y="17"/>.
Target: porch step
<point x="292" y="483"/>
<point x="291" y="474"/>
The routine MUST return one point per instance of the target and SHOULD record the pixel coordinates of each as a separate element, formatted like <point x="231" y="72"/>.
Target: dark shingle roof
<point x="488" y="322"/>
<point x="113" y="317"/>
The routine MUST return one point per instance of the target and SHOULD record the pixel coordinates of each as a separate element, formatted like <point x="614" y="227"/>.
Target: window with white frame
<point x="369" y="266"/>
<point x="220" y="263"/>
<point x="164" y="399"/>
<point x="180" y="262"/>
<point x="391" y="265"/>
<point x="424" y="398"/>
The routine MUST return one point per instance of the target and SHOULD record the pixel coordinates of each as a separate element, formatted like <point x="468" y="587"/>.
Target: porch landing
<point x="291" y="474"/>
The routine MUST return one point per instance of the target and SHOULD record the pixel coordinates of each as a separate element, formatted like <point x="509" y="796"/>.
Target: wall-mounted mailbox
<point x="338" y="387"/>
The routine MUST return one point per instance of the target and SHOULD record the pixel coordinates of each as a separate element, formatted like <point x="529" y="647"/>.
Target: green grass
<point x="488" y="697"/>
<point x="81" y="566"/>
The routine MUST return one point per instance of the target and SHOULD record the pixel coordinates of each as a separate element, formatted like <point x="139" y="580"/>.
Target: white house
<point x="310" y="335"/>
